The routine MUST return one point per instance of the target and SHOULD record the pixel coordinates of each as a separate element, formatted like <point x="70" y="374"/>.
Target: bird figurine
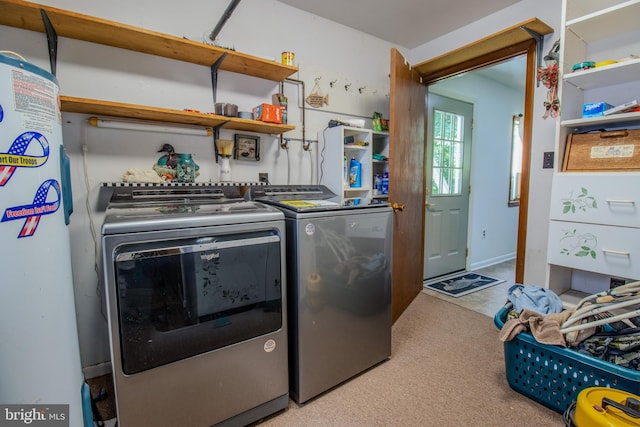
<point x="170" y="159"/>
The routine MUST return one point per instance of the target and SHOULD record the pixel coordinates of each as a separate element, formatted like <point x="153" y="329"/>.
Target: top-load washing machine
<point x="196" y="297"/>
<point x="339" y="285"/>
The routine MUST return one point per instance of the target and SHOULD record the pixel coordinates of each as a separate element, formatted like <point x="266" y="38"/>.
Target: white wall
<point x="494" y="105"/>
<point x="548" y="11"/>
<point x="324" y="50"/>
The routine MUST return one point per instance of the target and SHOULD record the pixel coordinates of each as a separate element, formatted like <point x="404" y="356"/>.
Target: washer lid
<point x="308" y="198"/>
<point x="130" y="218"/>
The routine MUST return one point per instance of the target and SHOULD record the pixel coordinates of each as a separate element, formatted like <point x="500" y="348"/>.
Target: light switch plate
<point x="547" y="160"/>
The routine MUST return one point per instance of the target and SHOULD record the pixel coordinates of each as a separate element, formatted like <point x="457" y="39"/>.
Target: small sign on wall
<point x="246" y="147"/>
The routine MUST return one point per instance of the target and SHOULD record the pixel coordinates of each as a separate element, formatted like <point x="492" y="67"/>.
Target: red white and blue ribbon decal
<point x="34" y="211"/>
<point x="15" y="157"/>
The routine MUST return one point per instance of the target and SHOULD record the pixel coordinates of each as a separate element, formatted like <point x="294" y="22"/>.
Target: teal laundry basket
<point x="554" y="375"/>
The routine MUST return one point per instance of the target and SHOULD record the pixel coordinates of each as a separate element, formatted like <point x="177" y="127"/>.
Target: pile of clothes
<point x="605" y="325"/>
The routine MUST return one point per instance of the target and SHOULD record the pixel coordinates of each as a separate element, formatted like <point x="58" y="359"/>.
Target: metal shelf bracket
<point x="52" y="41"/>
<point x="214" y="76"/>
<point x="216" y="135"/>
<point x="539" y="38"/>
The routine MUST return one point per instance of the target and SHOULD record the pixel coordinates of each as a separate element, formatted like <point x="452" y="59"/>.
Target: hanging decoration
<point x="549" y="77"/>
<point x="315" y="98"/>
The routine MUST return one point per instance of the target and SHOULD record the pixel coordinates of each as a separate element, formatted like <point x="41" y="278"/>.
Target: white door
<point x="447" y="185"/>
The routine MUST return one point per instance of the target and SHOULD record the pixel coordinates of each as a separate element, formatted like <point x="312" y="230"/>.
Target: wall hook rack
<point x="331" y="83"/>
<point x="361" y="89"/>
<point x="346" y="87"/>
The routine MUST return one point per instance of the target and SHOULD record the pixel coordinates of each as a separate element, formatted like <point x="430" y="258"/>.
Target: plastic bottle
<point x="380" y="186"/>
<point x="355" y="173"/>
<point x="377" y="184"/>
<point x="345" y="172"/>
<point x="385" y="183"/>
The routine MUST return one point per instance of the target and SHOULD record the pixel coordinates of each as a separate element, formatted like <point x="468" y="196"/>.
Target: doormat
<point x="462" y="284"/>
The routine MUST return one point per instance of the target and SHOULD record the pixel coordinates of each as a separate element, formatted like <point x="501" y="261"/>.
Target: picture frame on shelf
<point x="246" y="147"/>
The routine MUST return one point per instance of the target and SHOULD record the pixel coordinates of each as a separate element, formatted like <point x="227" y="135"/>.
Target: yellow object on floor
<point x="602" y="406"/>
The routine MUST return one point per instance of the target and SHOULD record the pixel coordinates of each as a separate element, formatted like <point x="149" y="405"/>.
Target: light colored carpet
<point x="446" y="369"/>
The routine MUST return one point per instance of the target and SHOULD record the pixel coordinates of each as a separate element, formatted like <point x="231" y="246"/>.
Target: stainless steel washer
<point x="196" y="297"/>
<point x="339" y="292"/>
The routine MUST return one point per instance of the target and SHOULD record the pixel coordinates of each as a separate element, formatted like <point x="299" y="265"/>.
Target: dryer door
<point x="183" y="297"/>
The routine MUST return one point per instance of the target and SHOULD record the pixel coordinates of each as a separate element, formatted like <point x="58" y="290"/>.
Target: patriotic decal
<point x="34" y="211"/>
<point x="15" y="157"/>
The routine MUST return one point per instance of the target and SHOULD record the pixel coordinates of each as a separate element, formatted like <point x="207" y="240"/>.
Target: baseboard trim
<point x="492" y="261"/>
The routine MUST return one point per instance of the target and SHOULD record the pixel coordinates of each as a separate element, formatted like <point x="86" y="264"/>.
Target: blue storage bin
<point x="554" y="375"/>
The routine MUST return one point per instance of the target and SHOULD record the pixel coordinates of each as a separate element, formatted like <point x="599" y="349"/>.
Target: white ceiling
<point x="411" y="23"/>
<point x="407" y="23"/>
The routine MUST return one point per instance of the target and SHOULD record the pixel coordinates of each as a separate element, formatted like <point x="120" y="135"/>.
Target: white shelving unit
<point x="594" y="233"/>
<point x="380" y="166"/>
<point x="338" y="145"/>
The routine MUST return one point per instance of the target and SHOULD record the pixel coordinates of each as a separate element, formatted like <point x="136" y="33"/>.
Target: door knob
<point x="427" y="204"/>
<point x="396" y="207"/>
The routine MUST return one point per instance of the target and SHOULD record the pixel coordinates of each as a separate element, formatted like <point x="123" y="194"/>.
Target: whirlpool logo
<point x="35" y="415"/>
<point x="209" y="257"/>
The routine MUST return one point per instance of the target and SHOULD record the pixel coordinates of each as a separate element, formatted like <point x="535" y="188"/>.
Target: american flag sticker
<point x="16" y="157"/>
<point x="33" y="212"/>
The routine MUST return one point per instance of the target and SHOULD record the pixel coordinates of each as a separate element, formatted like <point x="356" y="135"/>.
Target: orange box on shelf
<point x="268" y="113"/>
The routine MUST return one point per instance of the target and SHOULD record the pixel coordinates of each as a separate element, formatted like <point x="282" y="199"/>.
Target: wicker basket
<point x="554" y="375"/>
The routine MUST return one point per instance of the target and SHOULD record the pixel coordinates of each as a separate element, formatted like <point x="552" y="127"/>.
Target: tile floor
<point x="487" y="301"/>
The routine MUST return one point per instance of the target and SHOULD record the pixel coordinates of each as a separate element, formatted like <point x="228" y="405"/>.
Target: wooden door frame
<point x="527" y="48"/>
<point x="513" y="41"/>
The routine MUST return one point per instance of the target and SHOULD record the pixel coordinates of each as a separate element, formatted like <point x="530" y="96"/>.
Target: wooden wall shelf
<point x="141" y="112"/>
<point x="27" y="15"/>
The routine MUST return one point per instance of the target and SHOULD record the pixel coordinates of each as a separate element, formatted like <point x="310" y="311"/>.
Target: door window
<point x="516" y="161"/>
<point x="448" y="137"/>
